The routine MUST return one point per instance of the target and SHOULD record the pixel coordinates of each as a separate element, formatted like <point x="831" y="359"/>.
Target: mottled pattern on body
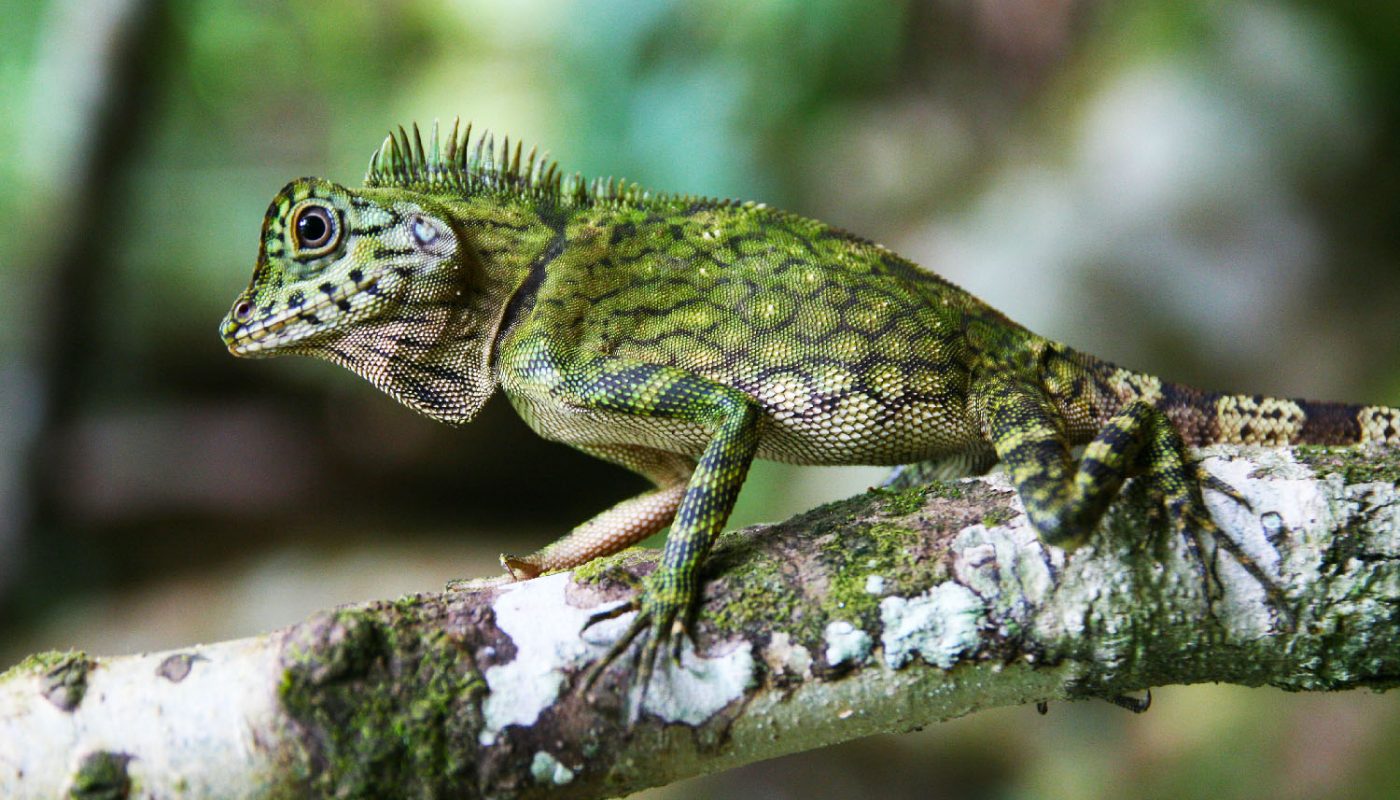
<point x="681" y="337"/>
<point x="847" y="365"/>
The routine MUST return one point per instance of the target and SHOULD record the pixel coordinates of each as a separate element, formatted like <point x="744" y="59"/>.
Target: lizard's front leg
<point x="624" y="524"/>
<point x="661" y="402"/>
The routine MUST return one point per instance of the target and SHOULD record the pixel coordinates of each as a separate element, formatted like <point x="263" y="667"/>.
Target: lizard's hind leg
<point x="1065" y="500"/>
<point x="624" y="524"/>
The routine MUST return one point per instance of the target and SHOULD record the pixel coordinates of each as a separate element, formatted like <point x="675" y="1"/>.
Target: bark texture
<point x="883" y="612"/>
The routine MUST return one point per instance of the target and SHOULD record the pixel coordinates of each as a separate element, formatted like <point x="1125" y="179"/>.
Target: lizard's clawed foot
<point x="619" y="647"/>
<point x="663" y="620"/>
<point x="1206" y="539"/>
<point x="1137" y="705"/>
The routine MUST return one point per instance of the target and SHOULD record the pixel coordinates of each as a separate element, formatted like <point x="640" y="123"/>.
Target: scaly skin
<point x="682" y="337"/>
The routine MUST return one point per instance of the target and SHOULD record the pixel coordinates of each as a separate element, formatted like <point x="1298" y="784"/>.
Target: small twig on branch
<point x="883" y="612"/>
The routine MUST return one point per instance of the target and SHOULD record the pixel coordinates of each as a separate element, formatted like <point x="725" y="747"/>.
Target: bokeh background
<point x="1206" y="190"/>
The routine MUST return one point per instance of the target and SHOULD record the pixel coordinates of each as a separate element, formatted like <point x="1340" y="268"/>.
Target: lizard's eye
<point x="316" y="229"/>
<point x="243" y="311"/>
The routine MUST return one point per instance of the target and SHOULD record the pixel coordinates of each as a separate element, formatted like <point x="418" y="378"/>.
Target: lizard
<point x="681" y="337"/>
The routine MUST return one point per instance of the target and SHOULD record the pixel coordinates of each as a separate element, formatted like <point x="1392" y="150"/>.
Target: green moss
<point x="760" y="593"/>
<point x="101" y="776"/>
<point x="389" y="702"/>
<point x="40" y="663"/>
<point x="881" y="549"/>
<point x="1354" y="464"/>
<point x="611" y="568"/>
<point x="837" y="512"/>
<point x="998" y="516"/>
<point x="946" y="490"/>
<point x="902" y="502"/>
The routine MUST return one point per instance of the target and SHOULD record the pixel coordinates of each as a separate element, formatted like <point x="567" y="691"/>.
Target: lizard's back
<point x="854" y="354"/>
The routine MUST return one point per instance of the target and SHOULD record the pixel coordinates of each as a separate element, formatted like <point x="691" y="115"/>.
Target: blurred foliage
<point x="1205" y="190"/>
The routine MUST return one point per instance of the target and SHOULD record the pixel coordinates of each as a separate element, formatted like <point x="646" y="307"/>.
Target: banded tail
<point x="1215" y="417"/>
<point x="1205" y="418"/>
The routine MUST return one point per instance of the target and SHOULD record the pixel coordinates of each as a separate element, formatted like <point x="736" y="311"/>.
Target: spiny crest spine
<point x="457" y="167"/>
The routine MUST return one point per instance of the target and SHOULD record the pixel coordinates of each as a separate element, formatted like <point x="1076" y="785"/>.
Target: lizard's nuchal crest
<point x="455" y="164"/>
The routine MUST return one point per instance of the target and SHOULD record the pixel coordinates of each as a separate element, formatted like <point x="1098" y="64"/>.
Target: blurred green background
<point x="1205" y="190"/>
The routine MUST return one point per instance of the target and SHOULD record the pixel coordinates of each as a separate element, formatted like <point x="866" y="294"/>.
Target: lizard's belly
<point x="860" y="428"/>
<point x="854" y="428"/>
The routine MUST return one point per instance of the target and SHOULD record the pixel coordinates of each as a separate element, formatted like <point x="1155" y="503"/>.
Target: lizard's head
<point x="376" y="280"/>
<point x="332" y="258"/>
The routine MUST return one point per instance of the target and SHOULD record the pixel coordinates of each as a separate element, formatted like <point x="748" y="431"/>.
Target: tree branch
<point x="883" y="612"/>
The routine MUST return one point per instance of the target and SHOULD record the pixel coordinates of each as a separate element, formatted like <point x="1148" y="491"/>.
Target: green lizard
<point x="682" y="337"/>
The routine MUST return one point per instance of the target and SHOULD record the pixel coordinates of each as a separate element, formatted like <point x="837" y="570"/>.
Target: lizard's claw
<point x="680" y="633"/>
<point x="1137" y="705"/>
<point x="1208" y="480"/>
<point x="668" y="634"/>
<point x="1201" y="536"/>
<point x="620" y="646"/>
<point x="612" y="613"/>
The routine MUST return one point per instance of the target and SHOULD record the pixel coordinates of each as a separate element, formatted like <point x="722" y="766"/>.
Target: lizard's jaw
<point x="296" y="323"/>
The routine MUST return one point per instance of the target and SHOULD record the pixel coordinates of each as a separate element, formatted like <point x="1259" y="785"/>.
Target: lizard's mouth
<point x="295" y="322"/>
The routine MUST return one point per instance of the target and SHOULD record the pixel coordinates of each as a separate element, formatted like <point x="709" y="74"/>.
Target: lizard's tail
<point x="1090" y="388"/>
<point x="1214" y="417"/>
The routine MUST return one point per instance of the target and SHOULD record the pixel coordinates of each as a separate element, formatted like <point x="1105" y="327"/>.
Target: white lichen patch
<point x="545" y="768"/>
<point x="1379" y="503"/>
<point x="550" y="641"/>
<point x="1282" y="495"/>
<point x="698" y="688"/>
<point x="875" y="584"/>
<point x="1006" y="565"/>
<point x="845" y="643"/>
<point x="938" y="625"/>
<point x="783" y="656"/>
<point x="545" y="630"/>
<point x="1025" y="582"/>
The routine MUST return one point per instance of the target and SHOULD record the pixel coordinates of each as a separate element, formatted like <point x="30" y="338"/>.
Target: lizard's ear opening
<point x="425" y="232"/>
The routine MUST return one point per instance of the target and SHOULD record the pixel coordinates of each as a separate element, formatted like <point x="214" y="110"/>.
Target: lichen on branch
<point x="882" y="612"/>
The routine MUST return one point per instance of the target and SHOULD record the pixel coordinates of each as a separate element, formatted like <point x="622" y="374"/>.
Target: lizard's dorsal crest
<point x="457" y="165"/>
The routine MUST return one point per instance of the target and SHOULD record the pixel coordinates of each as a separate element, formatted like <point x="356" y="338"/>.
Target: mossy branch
<point x="883" y="612"/>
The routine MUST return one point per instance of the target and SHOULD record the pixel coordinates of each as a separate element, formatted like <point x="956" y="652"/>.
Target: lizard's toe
<point x="1205" y="539"/>
<point x="640" y="624"/>
<point x="1209" y="481"/>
